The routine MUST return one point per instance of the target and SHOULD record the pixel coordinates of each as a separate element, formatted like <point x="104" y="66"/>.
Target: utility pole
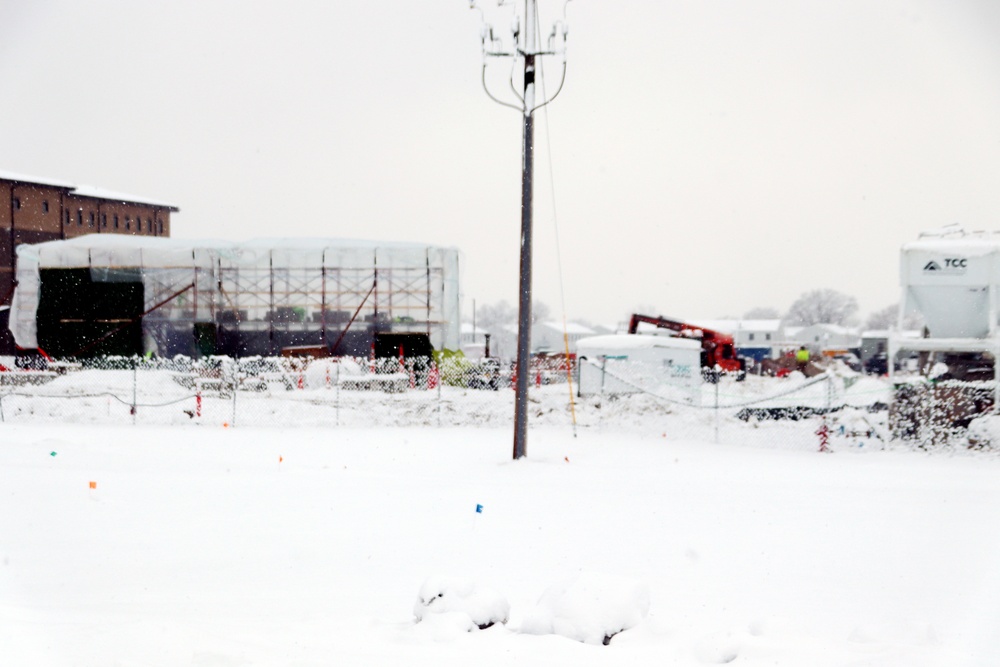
<point x="527" y="49"/>
<point x="524" y="292"/>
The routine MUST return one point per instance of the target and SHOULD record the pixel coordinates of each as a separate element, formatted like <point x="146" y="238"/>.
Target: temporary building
<point x="631" y="363"/>
<point x="108" y="294"/>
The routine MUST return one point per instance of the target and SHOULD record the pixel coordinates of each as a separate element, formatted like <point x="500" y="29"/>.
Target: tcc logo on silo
<point x="948" y="265"/>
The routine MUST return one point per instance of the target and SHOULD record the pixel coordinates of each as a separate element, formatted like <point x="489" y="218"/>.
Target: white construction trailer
<point x="631" y="363"/>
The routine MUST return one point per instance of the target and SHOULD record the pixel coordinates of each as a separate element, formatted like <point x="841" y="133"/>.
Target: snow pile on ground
<point x="985" y="431"/>
<point x="867" y="391"/>
<point x="590" y="607"/>
<point x="323" y="373"/>
<point x="460" y="602"/>
<point x="147" y="385"/>
<point x="344" y="393"/>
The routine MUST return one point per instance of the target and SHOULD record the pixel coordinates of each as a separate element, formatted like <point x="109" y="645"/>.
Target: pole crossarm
<point x="493" y="48"/>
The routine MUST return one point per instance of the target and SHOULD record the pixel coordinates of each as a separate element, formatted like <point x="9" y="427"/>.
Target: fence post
<point x="604" y="372"/>
<point x="717" y="380"/>
<point x="603" y="403"/>
<point x="440" y="381"/>
<point x="135" y="382"/>
<point x="1" y="408"/>
<point x="336" y="400"/>
<point x="235" y="378"/>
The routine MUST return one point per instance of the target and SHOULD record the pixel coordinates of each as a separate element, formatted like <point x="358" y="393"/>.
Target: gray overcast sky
<point x="709" y="156"/>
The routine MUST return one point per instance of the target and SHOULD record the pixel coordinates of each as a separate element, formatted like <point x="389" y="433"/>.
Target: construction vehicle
<point x="718" y="350"/>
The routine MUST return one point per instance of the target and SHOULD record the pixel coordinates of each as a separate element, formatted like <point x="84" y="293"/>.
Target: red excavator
<point x="718" y="350"/>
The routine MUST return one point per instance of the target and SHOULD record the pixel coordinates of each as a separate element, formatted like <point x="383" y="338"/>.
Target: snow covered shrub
<point x="463" y="600"/>
<point x="984" y="432"/>
<point x="590" y="608"/>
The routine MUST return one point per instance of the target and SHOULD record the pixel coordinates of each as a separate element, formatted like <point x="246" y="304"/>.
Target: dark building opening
<point x="410" y="345"/>
<point x="84" y="315"/>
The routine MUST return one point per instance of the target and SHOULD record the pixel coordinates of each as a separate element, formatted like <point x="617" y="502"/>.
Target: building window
<point x="104" y="220"/>
<point x="767" y="336"/>
<point x="17" y="204"/>
<point x="116" y="221"/>
<point x="750" y="336"/>
<point x="90" y="223"/>
<point x="79" y="217"/>
<point x="128" y="223"/>
<point x="149" y="225"/>
<point x="45" y="207"/>
<point x="159" y="223"/>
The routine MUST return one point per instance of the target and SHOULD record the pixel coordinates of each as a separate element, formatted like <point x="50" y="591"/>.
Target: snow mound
<point x="984" y="432"/>
<point x="590" y="608"/>
<point x="326" y="372"/>
<point x="868" y="391"/>
<point x="462" y="602"/>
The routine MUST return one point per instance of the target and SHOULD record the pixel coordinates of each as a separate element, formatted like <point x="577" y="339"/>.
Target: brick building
<point x="33" y="210"/>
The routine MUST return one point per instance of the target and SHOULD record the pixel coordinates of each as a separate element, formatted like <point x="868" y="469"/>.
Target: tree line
<point x="819" y="306"/>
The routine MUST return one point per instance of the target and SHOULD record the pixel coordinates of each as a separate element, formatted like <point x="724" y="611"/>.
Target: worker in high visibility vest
<point x="802" y="357"/>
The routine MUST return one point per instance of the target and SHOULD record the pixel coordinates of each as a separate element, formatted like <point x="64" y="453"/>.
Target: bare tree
<point x="495" y="316"/>
<point x="540" y="312"/>
<point x="762" y="313"/>
<point x="501" y="313"/>
<point x="823" y="306"/>
<point x="888" y="318"/>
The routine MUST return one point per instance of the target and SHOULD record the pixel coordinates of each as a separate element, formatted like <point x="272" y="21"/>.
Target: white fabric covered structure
<point x="271" y="293"/>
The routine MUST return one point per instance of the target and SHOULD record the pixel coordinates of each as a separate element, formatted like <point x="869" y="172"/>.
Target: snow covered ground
<point x="254" y="546"/>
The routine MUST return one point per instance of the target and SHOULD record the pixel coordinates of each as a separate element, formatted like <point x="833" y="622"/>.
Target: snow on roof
<point x="83" y="190"/>
<point x="156" y="251"/>
<point x="760" y="325"/>
<point x="954" y="238"/>
<point x="725" y="326"/>
<point x="733" y="326"/>
<point x="833" y="328"/>
<point x="24" y="178"/>
<point x="887" y="333"/>
<point x="467" y="328"/>
<point x="572" y="328"/>
<point x="100" y="193"/>
<point x="635" y="342"/>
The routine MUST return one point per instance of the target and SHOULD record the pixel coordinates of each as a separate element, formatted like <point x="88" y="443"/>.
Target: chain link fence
<point x="836" y="410"/>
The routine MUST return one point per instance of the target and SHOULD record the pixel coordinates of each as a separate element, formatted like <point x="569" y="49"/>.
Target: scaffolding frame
<point x="261" y="296"/>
